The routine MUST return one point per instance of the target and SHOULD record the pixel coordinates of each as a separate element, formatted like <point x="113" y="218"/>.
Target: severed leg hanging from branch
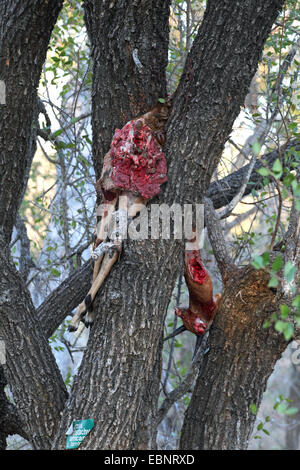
<point x="133" y="171"/>
<point x="107" y="253"/>
<point x="199" y="315"/>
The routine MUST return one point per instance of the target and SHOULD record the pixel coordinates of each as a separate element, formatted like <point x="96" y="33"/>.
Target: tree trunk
<point x="30" y="369"/>
<point x="241" y="358"/>
<point x="118" y="348"/>
<point x="126" y="336"/>
<point x="292" y="438"/>
<point x="25" y="29"/>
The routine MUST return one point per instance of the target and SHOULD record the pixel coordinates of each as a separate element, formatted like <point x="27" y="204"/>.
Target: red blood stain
<point x="209" y="309"/>
<point x="137" y="161"/>
<point x="191" y="321"/>
<point x="196" y="268"/>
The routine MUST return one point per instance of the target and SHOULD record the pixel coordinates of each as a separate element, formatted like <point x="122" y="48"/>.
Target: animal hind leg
<point x="107" y="263"/>
<point x="101" y="229"/>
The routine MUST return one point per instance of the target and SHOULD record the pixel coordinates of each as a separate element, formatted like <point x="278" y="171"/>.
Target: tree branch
<point x="240" y="194"/>
<point x="71" y="292"/>
<point x="217" y="240"/>
<point x="187" y="384"/>
<point x="223" y="191"/>
<point x="25" y="256"/>
<point x="62" y="300"/>
<point x="10" y="421"/>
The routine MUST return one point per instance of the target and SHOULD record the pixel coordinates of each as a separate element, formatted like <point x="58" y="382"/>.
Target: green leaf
<point x="256" y="147"/>
<point x="296" y="188"/>
<point x="289" y="271"/>
<point x="277" y="168"/>
<point x="57" y="133"/>
<point x="281" y="408"/>
<point x="293" y="126"/>
<point x="261" y="261"/>
<point x="296" y="302"/>
<point x="161" y="100"/>
<point x="288" y="331"/>
<point x="55" y="272"/>
<point x="288" y="179"/>
<point x="280" y="326"/>
<point x="273" y="282"/>
<point x="277" y="263"/>
<point x="263" y="171"/>
<point x="291" y="411"/>
<point x="253" y="408"/>
<point x="285" y="310"/>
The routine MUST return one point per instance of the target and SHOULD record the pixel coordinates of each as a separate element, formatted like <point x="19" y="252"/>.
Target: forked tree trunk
<point x="113" y="383"/>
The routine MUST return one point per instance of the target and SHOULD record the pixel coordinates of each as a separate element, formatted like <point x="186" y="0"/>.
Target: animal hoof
<point x="88" y="303"/>
<point x="72" y="328"/>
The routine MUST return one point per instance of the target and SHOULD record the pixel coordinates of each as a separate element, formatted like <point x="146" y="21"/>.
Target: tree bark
<point x="10" y="422"/>
<point x="25" y="29"/>
<point x="30" y="369"/>
<point x="128" y="78"/>
<point x="130" y="55"/>
<point x="241" y="358"/>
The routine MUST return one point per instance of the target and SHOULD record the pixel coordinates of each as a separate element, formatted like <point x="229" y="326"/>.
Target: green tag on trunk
<point x="77" y="432"/>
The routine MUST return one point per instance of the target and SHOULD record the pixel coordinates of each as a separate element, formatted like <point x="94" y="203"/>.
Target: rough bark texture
<point x="241" y="358"/>
<point x="125" y="342"/>
<point x="122" y="351"/>
<point x="25" y="29"/>
<point x="10" y="422"/>
<point x="129" y="42"/>
<point x="30" y="369"/>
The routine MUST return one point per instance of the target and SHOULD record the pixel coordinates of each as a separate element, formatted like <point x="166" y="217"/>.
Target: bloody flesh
<point x="196" y="268"/>
<point x="135" y="162"/>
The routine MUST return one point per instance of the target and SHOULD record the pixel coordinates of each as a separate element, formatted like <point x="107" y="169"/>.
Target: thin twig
<point x="178" y="296"/>
<point x="278" y="214"/>
<point x="186" y="385"/>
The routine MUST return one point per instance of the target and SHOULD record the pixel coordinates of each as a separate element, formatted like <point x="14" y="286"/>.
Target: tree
<point x="118" y="382"/>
